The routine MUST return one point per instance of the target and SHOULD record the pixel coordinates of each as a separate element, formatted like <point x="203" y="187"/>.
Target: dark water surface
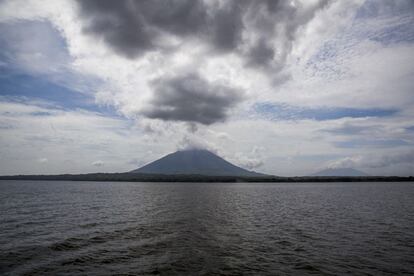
<point x="105" y="228"/>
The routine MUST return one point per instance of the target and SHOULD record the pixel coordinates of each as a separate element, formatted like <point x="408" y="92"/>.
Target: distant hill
<point x="340" y="172"/>
<point x="194" y="162"/>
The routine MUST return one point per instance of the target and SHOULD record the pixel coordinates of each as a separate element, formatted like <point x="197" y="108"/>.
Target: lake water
<point x="105" y="228"/>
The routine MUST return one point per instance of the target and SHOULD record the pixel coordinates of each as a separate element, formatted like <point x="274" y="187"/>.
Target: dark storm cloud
<point x="118" y="23"/>
<point x="227" y="26"/>
<point x="276" y="23"/>
<point x="134" y="27"/>
<point x="261" y="54"/>
<point x="261" y="32"/>
<point x="189" y="98"/>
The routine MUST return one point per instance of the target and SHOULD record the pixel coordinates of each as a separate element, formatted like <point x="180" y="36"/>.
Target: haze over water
<point x="58" y="228"/>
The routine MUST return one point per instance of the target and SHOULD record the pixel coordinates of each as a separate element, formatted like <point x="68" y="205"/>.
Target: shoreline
<point x="129" y="177"/>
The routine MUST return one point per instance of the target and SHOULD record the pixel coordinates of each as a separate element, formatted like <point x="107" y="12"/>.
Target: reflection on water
<point x="206" y="229"/>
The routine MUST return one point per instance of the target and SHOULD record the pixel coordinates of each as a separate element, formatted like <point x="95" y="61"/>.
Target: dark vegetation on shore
<point x="134" y="177"/>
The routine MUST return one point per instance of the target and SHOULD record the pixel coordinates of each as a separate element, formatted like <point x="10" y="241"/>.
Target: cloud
<point x="74" y="136"/>
<point x="336" y="76"/>
<point x="374" y="160"/>
<point x="43" y="53"/>
<point x="133" y="27"/>
<point x="250" y="163"/>
<point x="42" y="160"/>
<point x="98" y="163"/>
<point x="227" y="25"/>
<point x="263" y="31"/>
<point x="190" y="98"/>
<point x="190" y="142"/>
<point x="117" y="24"/>
<point x="388" y="160"/>
<point x="242" y="43"/>
<point x="252" y="160"/>
<point x="261" y="54"/>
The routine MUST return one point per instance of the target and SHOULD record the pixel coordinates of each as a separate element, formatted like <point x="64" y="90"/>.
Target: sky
<point x="280" y="87"/>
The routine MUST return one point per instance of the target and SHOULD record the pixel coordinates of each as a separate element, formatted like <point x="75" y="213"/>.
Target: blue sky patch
<point x="24" y="86"/>
<point x="274" y="111"/>
<point x="411" y="128"/>
<point x="390" y="143"/>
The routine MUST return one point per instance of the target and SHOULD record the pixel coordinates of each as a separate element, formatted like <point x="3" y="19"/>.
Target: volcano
<point x="340" y="172"/>
<point x="194" y="162"/>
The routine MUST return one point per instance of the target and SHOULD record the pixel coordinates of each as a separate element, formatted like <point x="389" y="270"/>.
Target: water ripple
<point x="67" y="228"/>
